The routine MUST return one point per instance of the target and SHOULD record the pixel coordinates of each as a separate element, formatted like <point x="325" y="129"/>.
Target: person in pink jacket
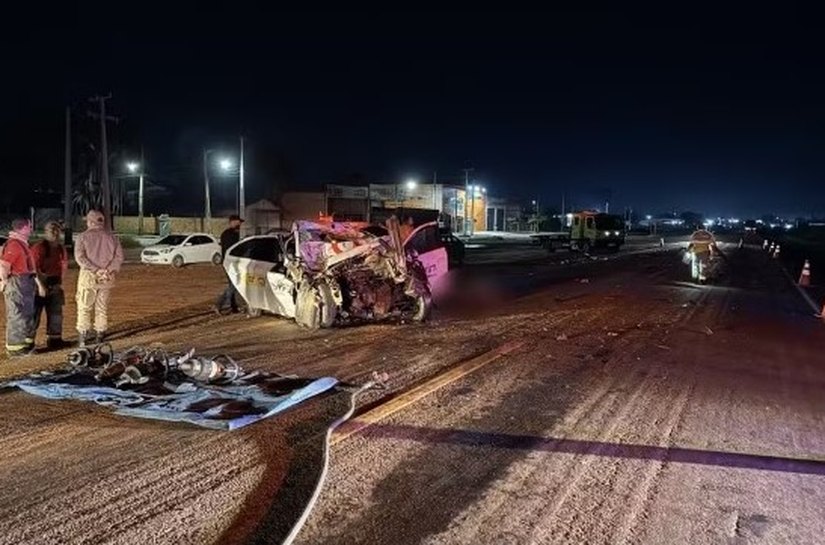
<point x="99" y="255"/>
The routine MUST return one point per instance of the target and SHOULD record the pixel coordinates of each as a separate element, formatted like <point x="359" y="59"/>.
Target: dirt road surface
<point x="635" y="408"/>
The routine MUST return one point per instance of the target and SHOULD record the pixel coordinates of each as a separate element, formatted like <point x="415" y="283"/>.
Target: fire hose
<point x="357" y="392"/>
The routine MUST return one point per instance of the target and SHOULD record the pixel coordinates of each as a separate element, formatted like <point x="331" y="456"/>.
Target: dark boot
<point x="55" y="343"/>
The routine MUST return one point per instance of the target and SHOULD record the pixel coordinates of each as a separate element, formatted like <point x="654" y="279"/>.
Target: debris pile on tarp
<point x="151" y="383"/>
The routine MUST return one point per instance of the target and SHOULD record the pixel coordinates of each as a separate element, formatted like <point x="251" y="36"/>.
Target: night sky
<point x="699" y="107"/>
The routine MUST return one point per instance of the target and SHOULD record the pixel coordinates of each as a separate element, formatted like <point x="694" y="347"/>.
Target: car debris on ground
<point x="212" y="392"/>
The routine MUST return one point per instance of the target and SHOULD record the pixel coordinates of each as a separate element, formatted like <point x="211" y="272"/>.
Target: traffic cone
<point x="805" y="275"/>
<point x="662" y="242"/>
<point x="765" y="244"/>
<point x="776" y="253"/>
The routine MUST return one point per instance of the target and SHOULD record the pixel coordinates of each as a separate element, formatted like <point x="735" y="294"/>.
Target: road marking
<point x="406" y="399"/>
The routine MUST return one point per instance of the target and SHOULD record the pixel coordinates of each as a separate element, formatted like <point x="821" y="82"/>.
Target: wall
<point x="128" y="225"/>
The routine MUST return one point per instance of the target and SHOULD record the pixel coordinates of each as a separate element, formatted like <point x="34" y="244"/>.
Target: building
<point x="362" y="203"/>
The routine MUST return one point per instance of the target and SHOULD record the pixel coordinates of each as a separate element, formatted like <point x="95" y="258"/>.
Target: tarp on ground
<point x="249" y="398"/>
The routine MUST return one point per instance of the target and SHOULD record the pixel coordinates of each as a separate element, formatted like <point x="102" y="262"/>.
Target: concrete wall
<point x="128" y="225"/>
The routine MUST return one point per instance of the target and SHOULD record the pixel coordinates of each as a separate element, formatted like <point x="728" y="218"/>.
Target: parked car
<point x="180" y="250"/>
<point x="322" y="274"/>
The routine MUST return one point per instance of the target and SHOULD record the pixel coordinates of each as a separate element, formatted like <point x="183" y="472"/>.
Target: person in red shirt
<point x="18" y="286"/>
<point x="50" y="262"/>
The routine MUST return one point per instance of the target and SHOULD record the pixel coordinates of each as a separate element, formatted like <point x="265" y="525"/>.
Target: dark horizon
<point x="709" y="110"/>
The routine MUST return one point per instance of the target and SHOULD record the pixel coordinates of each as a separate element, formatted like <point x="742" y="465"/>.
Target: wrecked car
<point x="325" y="273"/>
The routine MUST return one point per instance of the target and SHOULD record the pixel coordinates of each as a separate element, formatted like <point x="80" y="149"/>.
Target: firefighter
<point x="99" y="255"/>
<point x="230" y="236"/>
<point x="17" y="281"/>
<point x="50" y="262"/>
<point x="701" y="247"/>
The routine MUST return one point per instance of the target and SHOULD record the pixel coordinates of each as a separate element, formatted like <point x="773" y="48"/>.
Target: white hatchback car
<point x="180" y="250"/>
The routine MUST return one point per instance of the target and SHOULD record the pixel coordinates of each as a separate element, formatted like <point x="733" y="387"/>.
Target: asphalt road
<point x="635" y="407"/>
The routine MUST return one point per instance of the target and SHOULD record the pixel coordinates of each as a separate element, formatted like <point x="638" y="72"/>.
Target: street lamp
<point x="411" y="184"/>
<point x="134" y="167"/>
<point x="225" y="164"/>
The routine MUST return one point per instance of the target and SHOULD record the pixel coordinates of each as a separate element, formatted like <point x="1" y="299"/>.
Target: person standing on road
<point x="50" y="262"/>
<point x="230" y="236"/>
<point x="701" y="248"/>
<point x="17" y="282"/>
<point x="99" y="255"/>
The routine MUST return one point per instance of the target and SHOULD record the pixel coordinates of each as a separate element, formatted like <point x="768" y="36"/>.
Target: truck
<point x="588" y="230"/>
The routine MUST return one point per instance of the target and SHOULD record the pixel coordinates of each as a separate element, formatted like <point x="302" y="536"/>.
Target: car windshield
<point x="172" y="240"/>
<point x="609" y="222"/>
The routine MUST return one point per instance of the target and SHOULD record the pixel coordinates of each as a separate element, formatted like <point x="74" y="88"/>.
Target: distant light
<point x="788" y="226"/>
<point x="411" y="184"/>
<point x="225" y="164"/>
<point x="772" y="225"/>
<point x="708" y="223"/>
<point x="534" y="203"/>
<point x="132" y="166"/>
<point x="648" y="217"/>
<point x="484" y="190"/>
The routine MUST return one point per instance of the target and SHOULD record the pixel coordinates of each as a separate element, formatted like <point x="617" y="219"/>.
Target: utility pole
<point x="242" y="204"/>
<point x="104" y="153"/>
<point x="435" y="196"/>
<point x="67" y="181"/>
<point x="563" y="195"/>
<point x="140" y="192"/>
<point x="467" y="172"/>
<point x="207" y="205"/>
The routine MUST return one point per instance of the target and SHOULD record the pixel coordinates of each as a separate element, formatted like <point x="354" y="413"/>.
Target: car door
<point x="426" y="242"/>
<point x="201" y="248"/>
<point x="255" y="267"/>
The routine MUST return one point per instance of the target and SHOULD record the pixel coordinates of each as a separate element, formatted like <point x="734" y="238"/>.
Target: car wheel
<point x="177" y="261"/>
<point x="423" y="306"/>
<point x="217" y="259"/>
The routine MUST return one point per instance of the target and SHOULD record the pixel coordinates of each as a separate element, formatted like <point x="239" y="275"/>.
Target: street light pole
<point x="472" y="210"/>
<point x="207" y="205"/>
<point x="242" y="205"/>
<point x="140" y="193"/>
<point x="467" y="172"/>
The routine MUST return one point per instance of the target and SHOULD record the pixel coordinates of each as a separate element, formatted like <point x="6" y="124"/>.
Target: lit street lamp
<point x="137" y="168"/>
